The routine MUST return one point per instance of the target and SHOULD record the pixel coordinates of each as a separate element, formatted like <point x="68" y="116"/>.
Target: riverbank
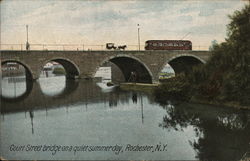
<point x="172" y="91"/>
<point x="179" y="89"/>
<point x="143" y="87"/>
<point x="231" y="104"/>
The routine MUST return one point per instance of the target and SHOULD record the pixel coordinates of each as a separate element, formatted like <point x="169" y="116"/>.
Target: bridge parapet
<point x="78" y="47"/>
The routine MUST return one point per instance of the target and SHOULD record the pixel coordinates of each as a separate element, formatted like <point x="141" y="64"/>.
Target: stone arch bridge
<point x="84" y="64"/>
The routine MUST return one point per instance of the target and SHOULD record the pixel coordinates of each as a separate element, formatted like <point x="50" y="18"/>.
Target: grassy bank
<point x="59" y="71"/>
<point x="148" y="88"/>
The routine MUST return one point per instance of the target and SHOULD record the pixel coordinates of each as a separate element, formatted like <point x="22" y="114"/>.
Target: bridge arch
<point x="127" y="64"/>
<point x="187" y="55"/>
<point x="183" y="62"/>
<point x="28" y="71"/>
<point x="72" y="70"/>
<point x="29" y="84"/>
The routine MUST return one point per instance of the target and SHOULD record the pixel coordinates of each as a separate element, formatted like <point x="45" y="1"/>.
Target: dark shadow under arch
<point x="184" y="64"/>
<point x="128" y="64"/>
<point x="71" y="69"/>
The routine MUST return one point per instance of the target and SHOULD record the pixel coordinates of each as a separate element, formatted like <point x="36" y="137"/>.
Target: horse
<point x="122" y="47"/>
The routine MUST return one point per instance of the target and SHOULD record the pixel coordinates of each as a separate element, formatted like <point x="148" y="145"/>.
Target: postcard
<point x="125" y="80"/>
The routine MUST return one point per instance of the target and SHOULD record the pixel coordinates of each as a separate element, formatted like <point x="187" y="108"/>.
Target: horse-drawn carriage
<point x="111" y="46"/>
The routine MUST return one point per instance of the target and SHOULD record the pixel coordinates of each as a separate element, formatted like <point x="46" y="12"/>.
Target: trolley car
<point x="168" y="45"/>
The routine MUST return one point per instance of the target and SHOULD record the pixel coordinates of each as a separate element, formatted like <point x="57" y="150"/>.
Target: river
<point x="54" y="118"/>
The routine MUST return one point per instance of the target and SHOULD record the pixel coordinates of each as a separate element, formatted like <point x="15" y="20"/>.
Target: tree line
<point x="226" y="76"/>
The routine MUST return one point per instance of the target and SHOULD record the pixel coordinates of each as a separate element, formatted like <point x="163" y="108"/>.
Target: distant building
<point x="104" y="72"/>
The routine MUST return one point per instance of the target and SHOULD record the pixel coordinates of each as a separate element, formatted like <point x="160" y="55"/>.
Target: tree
<point x="226" y="76"/>
<point x="214" y="43"/>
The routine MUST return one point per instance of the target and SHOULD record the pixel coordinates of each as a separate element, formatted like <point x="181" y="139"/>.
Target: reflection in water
<point x="13" y="87"/>
<point x="16" y="89"/>
<point x="83" y="114"/>
<point x="52" y="86"/>
<point x="31" y="118"/>
<point x="222" y="134"/>
<point x="134" y="97"/>
<point x="142" y="117"/>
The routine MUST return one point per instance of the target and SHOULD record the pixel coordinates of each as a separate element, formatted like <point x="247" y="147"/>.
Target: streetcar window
<point x="154" y="44"/>
<point x="165" y="44"/>
<point x="160" y="44"/>
<point x="170" y="44"/>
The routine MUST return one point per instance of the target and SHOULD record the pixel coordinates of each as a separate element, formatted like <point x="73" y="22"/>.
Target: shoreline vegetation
<point x="147" y="88"/>
<point x="180" y="90"/>
<point x="225" y="79"/>
<point x="59" y="71"/>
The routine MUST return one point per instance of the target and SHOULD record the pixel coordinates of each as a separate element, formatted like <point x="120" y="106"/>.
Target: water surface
<point x="57" y="112"/>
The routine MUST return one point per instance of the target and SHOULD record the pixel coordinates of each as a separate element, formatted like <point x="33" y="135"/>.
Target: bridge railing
<point x="75" y="47"/>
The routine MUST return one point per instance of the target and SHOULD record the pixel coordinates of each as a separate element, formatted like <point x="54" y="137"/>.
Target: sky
<point x="98" y="22"/>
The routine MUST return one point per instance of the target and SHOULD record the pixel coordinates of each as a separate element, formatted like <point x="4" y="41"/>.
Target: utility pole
<point x="27" y="31"/>
<point x="27" y="43"/>
<point x="138" y="36"/>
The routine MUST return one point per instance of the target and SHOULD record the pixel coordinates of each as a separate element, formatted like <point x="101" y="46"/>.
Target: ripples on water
<point x="63" y="112"/>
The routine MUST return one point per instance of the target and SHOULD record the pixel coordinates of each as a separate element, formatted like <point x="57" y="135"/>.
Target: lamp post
<point x="27" y="32"/>
<point x="138" y="36"/>
<point x="27" y="43"/>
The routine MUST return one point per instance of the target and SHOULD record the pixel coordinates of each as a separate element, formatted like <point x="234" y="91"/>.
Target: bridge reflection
<point x="23" y="94"/>
<point x="75" y="92"/>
